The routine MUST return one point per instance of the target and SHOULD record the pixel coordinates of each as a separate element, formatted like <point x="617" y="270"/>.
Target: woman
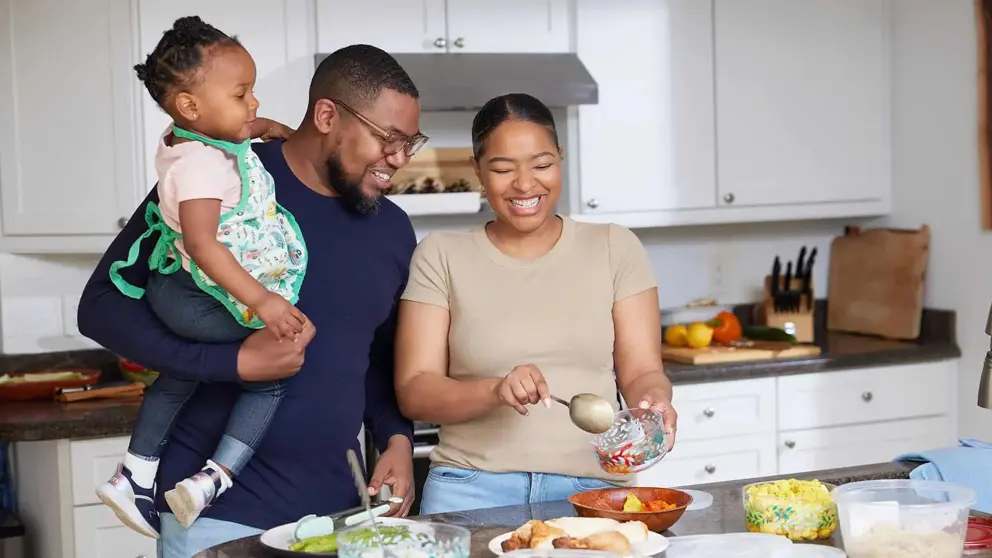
<point x="496" y="319"/>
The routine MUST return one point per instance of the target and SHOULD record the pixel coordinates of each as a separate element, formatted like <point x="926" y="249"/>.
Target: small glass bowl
<point x="635" y="442"/>
<point x="414" y="540"/>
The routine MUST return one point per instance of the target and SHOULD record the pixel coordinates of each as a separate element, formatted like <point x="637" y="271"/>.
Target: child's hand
<point x="284" y="319"/>
<point x="268" y="130"/>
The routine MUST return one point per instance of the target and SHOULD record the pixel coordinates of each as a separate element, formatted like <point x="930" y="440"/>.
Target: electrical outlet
<point x="70" y="306"/>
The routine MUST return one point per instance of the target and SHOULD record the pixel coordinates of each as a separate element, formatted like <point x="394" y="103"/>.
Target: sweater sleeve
<point x="129" y="328"/>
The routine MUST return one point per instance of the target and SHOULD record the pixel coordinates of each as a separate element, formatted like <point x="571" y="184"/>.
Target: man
<point x="362" y="124"/>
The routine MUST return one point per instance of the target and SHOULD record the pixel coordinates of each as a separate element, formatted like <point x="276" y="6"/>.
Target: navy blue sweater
<point x="357" y="270"/>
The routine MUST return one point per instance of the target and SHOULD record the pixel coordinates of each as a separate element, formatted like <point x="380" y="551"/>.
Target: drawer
<point x="93" y="462"/>
<point x="709" y="461"/>
<point x="99" y="534"/>
<point x="864" y="395"/>
<point x="850" y="446"/>
<point x="722" y="409"/>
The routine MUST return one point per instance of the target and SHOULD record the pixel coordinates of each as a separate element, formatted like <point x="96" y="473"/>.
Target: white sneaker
<point x="191" y="496"/>
<point x="133" y="505"/>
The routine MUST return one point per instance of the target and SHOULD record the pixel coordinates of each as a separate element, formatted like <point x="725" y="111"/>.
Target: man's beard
<point x="350" y="190"/>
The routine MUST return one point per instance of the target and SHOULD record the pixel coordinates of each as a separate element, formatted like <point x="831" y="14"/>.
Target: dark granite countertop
<point x="840" y="351"/>
<point x="725" y="515"/>
<point x="48" y="420"/>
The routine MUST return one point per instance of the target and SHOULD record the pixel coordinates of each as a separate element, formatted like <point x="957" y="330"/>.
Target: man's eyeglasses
<point x="392" y="142"/>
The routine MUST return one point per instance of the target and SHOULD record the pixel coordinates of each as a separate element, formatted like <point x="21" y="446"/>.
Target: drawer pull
<point x="867" y="397"/>
<point x="709" y="412"/>
<point x="790" y="444"/>
<point x="710" y="469"/>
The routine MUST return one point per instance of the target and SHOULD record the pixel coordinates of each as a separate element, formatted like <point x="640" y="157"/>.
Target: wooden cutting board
<point x="720" y="355"/>
<point x="876" y="282"/>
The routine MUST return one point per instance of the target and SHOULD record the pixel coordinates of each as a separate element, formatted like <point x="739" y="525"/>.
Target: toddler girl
<point x="228" y="259"/>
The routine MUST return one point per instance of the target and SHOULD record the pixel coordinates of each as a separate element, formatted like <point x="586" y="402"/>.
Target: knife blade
<point x="800" y="261"/>
<point x="787" y="285"/>
<point x="773" y="288"/>
<point x="808" y="274"/>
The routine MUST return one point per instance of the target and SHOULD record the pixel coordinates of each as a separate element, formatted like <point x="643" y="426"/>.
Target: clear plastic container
<point x="414" y="540"/>
<point x="635" y="442"/>
<point x="902" y="518"/>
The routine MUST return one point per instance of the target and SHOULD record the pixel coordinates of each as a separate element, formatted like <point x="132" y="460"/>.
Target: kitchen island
<point x="725" y="515"/>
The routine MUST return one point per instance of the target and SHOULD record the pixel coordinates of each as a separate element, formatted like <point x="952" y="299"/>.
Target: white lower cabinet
<point x="99" y="534"/>
<point x="807" y="422"/>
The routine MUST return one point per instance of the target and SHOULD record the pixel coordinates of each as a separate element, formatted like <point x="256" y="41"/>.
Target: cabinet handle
<point x="593" y="203"/>
<point x="440" y="42"/>
<point x="709" y="412"/>
<point x="460" y="42"/>
<point x="790" y="444"/>
<point x="122" y="222"/>
<point x="867" y="397"/>
<point x="710" y="469"/>
<point x="729" y="198"/>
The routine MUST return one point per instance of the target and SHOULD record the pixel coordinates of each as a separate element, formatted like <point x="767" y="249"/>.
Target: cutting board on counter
<point x="718" y="354"/>
<point x="876" y="282"/>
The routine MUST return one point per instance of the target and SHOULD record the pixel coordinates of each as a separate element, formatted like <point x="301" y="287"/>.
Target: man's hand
<point x="658" y="400"/>
<point x="395" y="469"/>
<point x="263" y="357"/>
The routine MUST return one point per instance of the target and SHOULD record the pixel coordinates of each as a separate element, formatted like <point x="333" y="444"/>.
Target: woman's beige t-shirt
<point x="554" y="312"/>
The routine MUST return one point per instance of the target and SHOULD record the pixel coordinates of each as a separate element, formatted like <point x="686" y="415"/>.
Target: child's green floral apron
<point x="261" y="234"/>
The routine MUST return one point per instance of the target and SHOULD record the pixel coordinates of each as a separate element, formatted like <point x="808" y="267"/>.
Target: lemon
<point x="632" y="504"/>
<point x="676" y="336"/>
<point x="699" y="335"/>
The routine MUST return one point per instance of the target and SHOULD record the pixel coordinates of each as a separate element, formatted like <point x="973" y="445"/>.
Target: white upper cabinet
<point x="649" y="143"/>
<point x="440" y="26"/>
<point x="67" y="111"/>
<point x="279" y="36"/>
<point x="392" y="25"/>
<point x="802" y="101"/>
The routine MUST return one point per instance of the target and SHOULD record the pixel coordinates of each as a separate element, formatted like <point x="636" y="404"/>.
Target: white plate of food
<point x="281" y="542"/>
<point x="628" y="538"/>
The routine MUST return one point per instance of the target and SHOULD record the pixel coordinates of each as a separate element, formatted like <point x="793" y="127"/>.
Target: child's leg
<point x="246" y="426"/>
<point x="192" y="313"/>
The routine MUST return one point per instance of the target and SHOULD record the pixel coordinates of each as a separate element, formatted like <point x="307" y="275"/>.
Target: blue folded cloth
<point x="969" y="464"/>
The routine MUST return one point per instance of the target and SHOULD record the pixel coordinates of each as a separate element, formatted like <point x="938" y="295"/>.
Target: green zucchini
<point x="765" y="333"/>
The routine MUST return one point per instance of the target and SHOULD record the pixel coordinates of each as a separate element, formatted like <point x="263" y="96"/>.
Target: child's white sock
<point x="142" y="470"/>
<point x="225" y="480"/>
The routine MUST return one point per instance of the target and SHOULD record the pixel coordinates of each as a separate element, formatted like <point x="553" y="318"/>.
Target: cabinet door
<point x="508" y="26"/>
<point x="863" y="444"/>
<point x="392" y="25"/>
<point x="67" y="105"/>
<point x="649" y="143"/>
<point x="802" y="101"/>
<point x="279" y="36"/>
<point x="99" y="534"/>
<point x="707" y="461"/>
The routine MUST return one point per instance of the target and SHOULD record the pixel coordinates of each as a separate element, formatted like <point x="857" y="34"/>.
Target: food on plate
<point x="676" y="335"/>
<point x="588" y="533"/>
<point x="798" y="509"/>
<point x="889" y="541"/>
<point x="633" y="504"/>
<point x="329" y="543"/>
<point x="699" y="335"/>
<point x="726" y="328"/>
<point x="42" y="377"/>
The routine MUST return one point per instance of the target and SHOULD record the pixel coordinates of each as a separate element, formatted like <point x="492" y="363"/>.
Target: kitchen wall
<point x="935" y="173"/>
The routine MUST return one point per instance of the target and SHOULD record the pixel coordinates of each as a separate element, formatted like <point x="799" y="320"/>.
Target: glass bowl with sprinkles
<point x="416" y="540"/>
<point x="635" y="442"/>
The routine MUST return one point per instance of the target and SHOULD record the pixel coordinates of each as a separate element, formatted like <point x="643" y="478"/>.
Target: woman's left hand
<point x="658" y="400"/>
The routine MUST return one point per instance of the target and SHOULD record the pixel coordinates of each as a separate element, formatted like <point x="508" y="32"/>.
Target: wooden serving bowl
<point x="608" y="503"/>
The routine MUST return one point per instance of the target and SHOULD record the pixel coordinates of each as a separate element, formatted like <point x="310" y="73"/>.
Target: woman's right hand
<point x="524" y="385"/>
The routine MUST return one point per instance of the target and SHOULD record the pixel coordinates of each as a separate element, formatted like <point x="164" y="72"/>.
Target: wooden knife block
<point x="799" y="323"/>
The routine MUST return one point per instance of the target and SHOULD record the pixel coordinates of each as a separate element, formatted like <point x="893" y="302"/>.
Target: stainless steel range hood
<point x="466" y="81"/>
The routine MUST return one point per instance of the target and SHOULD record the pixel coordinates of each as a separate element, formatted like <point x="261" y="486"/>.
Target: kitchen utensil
<point x="786" y="296"/>
<point x="316" y="526"/>
<point x="774" y="287"/>
<point x="608" y="503"/>
<point x="589" y="412"/>
<point x="876" y="282"/>
<point x="811" y="518"/>
<point x="363" y="493"/>
<point x="883" y="517"/>
<point x="117" y="389"/>
<point x="807" y="280"/>
<point x="634" y="442"/>
<point x="800" y="277"/>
